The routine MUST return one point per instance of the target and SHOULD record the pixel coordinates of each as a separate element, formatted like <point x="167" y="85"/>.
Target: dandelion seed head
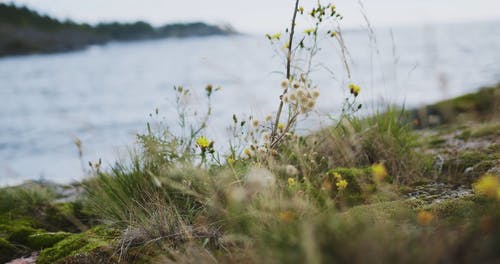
<point x="315" y="93"/>
<point x="285" y="83"/>
<point x="260" y="178"/>
<point x="291" y="170"/>
<point x="255" y="123"/>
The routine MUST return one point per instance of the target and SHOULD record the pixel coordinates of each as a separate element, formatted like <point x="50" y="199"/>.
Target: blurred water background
<point x="103" y="95"/>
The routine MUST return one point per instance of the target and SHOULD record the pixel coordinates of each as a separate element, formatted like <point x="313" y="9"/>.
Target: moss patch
<point x="480" y="105"/>
<point x="461" y="209"/>
<point x="78" y="244"/>
<point x="467" y="166"/>
<point x="45" y="240"/>
<point x="7" y="250"/>
<point x="488" y="130"/>
<point x="18" y="231"/>
<point x="381" y="212"/>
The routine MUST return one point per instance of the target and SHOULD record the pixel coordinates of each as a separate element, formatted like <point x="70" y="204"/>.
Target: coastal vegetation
<point x="24" y="31"/>
<point x="396" y="186"/>
<point x="381" y="185"/>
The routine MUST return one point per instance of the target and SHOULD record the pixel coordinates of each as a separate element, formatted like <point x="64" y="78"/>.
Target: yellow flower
<point x="379" y="172"/>
<point x="203" y="142"/>
<point x="301" y="10"/>
<point x="488" y="185"/>
<point x="281" y="126"/>
<point x="333" y="7"/>
<point x="425" y="218"/>
<point x="337" y="176"/>
<point x="341" y="185"/>
<point x="276" y="36"/>
<point x="309" y="31"/>
<point x="231" y="161"/>
<point x="291" y="182"/>
<point x="247" y="152"/>
<point x="286" y="216"/>
<point x="355" y="89"/>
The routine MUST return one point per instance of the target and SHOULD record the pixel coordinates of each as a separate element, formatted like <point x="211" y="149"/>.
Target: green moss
<point x="482" y="167"/>
<point x="25" y="200"/>
<point x="467" y="166"/>
<point x="45" y="240"/>
<point x="487" y="130"/>
<point x="494" y="149"/>
<point x="456" y="167"/>
<point x="382" y="212"/>
<point x="77" y="244"/>
<point x="7" y="250"/>
<point x="460" y="209"/>
<point x="465" y="135"/>
<point x="481" y="104"/>
<point x="18" y="231"/>
<point x="437" y="142"/>
<point x="63" y="216"/>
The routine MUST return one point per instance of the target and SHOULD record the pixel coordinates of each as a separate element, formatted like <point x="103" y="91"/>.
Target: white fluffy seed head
<point x="315" y="93"/>
<point x="259" y="179"/>
<point x="304" y="109"/>
<point x="238" y="194"/>
<point x="301" y="93"/>
<point x="285" y="83"/>
<point x="291" y="170"/>
<point x="311" y="104"/>
<point x="255" y="123"/>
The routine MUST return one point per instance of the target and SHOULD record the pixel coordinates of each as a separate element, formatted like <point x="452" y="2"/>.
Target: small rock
<point x="29" y="260"/>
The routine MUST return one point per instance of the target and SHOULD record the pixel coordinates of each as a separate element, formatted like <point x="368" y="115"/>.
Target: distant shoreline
<point x="24" y="32"/>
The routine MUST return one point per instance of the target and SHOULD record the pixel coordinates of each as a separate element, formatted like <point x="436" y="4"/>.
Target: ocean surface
<point x="103" y="95"/>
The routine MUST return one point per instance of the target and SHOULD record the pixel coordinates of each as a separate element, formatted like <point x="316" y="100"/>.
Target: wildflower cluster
<point x="340" y="183"/>
<point x="323" y="11"/>
<point x="301" y="97"/>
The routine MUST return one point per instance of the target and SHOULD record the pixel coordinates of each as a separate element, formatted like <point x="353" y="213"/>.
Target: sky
<point x="262" y="16"/>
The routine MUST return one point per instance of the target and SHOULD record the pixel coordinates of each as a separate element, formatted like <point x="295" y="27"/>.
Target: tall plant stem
<point x="288" y="75"/>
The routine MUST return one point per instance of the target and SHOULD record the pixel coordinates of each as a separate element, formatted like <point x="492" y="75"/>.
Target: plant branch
<point x="288" y="71"/>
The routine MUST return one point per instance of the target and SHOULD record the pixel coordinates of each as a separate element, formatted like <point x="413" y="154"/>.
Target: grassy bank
<point x="391" y="188"/>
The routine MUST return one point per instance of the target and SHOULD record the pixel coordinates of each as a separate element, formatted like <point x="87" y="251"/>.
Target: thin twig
<point x="288" y="71"/>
